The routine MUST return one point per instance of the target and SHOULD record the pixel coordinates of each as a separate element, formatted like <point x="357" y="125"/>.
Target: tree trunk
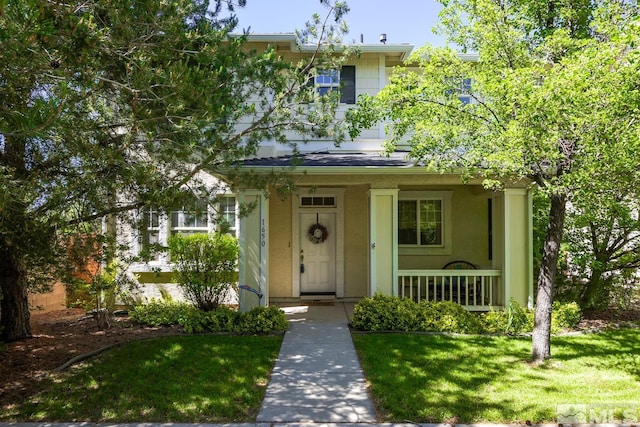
<point x="541" y="340"/>
<point x="14" y="304"/>
<point x="594" y="295"/>
<point x="14" y="307"/>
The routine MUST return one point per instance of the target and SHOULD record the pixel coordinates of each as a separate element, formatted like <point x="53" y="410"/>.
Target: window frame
<point x="445" y="246"/>
<point x="317" y="201"/>
<point x="222" y="215"/>
<point x="332" y="76"/>
<point x="186" y="230"/>
<point x="341" y="79"/>
<point x="146" y="228"/>
<point x="462" y="89"/>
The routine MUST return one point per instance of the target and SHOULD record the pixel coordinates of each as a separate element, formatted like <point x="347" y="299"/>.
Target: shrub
<point x="157" y="313"/>
<point x="262" y="320"/>
<point x="447" y="316"/>
<point x="513" y="320"/>
<point x="565" y="316"/>
<point x="205" y="267"/>
<point x="517" y="320"/>
<point x="223" y="319"/>
<point x="386" y="313"/>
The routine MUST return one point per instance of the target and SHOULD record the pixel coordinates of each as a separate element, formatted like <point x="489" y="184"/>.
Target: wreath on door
<point x="317" y="233"/>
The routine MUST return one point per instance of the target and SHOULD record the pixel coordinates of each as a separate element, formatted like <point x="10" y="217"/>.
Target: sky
<point x="404" y="21"/>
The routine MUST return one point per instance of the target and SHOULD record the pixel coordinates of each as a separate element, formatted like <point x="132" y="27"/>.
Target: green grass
<point x="468" y="379"/>
<point x="176" y="379"/>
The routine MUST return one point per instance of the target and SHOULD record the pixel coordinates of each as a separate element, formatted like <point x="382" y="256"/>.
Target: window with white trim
<point x="190" y="219"/>
<point x="149" y="234"/>
<point x="420" y="222"/>
<point x="227" y="213"/>
<point x="424" y="222"/>
<point x="343" y="80"/>
<point x="327" y="81"/>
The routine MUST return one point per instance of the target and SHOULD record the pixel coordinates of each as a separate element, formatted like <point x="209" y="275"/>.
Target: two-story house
<point x="361" y="222"/>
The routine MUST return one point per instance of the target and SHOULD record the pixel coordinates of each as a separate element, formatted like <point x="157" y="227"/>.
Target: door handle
<point x="301" y="268"/>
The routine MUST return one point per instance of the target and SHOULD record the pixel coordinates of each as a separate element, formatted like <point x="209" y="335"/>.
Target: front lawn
<point x="191" y="379"/>
<point x="474" y="379"/>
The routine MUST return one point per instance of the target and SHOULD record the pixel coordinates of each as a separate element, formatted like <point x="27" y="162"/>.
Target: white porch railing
<point x="474" y="289"/>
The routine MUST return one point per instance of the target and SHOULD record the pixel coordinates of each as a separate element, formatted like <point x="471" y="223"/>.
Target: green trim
<point x="153" y="277"/>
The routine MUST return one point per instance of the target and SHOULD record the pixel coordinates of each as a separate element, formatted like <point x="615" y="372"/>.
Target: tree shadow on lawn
<point x="442" y="378"/>
<point x="466" y="379"/>
<point x="177" y="379"/>
<point x="617" y="349"/>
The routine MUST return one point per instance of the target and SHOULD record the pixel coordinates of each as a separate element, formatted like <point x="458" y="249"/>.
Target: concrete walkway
<point x="317" y="377"/>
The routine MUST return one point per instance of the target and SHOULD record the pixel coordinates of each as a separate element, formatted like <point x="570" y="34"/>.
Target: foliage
<point x="550" y="102"/>
<point x="388" y="313"/>
<point x="385" y="313"/>
<point x="259" y="320"/>
<point x="161" y="313"/>
<point x="518" y="320"/>
<point x="511" y="321"/>
<point x="223" y="319"/>
<point x="604" y="241"/>
<point x="262" y="320"/>
<point x="565" y="316"/>
<point x="446" y="317"/>
<point x="205" y="267"/>
<point x="102" y="292"/>
<point x="186" y="379"/>
<point x="485" y="380"/>
<point x="109" y="106"/>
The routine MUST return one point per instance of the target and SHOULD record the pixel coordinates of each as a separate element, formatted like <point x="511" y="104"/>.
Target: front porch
<point x="388" y="227"/>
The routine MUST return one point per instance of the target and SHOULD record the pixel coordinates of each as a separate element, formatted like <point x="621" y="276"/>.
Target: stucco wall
<point x="518" y="239"/>
<point x="280" y="256"/>
<point x="469" y="220"/>
<point x="356" y="225"/>
<point x="470" y="241"/>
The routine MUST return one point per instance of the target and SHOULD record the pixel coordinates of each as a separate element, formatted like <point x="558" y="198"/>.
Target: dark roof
<point x="329" y="159"/>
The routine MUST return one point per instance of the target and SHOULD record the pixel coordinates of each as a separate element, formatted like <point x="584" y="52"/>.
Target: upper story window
<point x="343" y="80"/>
<point x="461" y="88"/>
<point x="327" y="81"/>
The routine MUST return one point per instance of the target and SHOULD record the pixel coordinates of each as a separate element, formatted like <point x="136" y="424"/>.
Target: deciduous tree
<point x="554" y="98"/>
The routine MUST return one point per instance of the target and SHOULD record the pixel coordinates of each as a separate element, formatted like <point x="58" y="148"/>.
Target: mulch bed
<point x="59" y="336"/>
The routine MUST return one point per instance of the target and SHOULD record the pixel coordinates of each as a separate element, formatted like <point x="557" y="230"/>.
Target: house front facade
<point x="360" y="222"/>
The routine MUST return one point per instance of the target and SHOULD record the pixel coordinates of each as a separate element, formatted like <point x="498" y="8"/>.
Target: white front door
<point x="318" y="253"/>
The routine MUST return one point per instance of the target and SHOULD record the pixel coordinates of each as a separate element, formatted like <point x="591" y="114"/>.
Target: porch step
<point x="318" y="297"/>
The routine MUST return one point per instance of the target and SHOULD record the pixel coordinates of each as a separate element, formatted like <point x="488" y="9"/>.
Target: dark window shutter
<point x="348" y="84"/>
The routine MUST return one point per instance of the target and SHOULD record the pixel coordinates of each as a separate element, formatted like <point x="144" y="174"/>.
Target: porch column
<point x="383" y="241"/>
<point x="254" y="251"/>
<point x="517" y="246"/>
